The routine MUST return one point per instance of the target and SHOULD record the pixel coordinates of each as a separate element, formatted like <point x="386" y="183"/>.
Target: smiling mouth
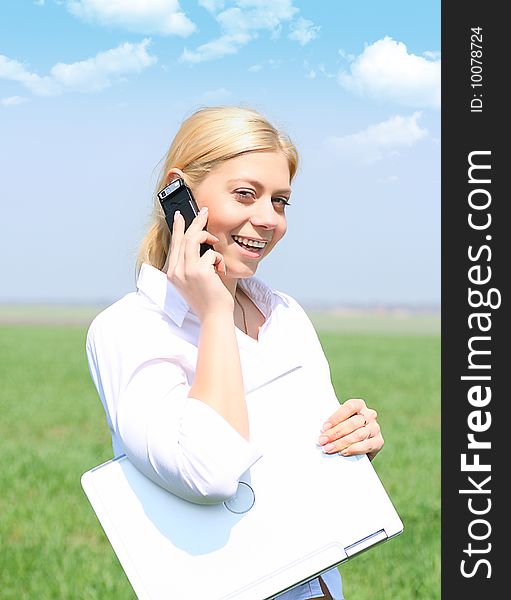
<point x="249" y="244"/>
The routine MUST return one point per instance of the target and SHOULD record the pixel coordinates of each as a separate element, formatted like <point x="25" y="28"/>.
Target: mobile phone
<point x="178" y="196"/>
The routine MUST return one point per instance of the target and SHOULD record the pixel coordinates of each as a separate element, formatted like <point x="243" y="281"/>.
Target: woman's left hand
<point x="351" y="430"/>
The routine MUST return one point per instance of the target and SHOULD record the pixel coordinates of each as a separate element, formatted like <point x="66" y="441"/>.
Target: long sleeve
<point x="181" y="443"/>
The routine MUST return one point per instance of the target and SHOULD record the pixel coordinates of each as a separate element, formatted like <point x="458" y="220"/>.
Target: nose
<point x="264" y="214"/>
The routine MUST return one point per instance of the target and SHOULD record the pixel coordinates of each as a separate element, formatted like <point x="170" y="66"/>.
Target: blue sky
<point x="92" y="92"/>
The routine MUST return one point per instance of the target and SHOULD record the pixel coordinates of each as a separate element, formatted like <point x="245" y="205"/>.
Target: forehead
<point x="270" y="169"/>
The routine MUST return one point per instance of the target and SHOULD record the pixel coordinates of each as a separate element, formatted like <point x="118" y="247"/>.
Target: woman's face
<point x="246" y="197"/>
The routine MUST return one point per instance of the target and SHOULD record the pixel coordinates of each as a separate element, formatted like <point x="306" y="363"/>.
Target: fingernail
<point x="203" y="210"/>
<point x="326" y="426"/>
<point x="328" y="447"/>
<point x="345" y="452"/>
<point x="176" y="214"/>
<point x="323" y="439"/>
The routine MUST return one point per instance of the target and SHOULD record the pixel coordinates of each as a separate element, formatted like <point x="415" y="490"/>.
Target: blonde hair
<point x="208" y="137"/>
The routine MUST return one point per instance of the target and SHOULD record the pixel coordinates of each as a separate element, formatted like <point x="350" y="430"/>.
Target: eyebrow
<point x="257" y="184"/>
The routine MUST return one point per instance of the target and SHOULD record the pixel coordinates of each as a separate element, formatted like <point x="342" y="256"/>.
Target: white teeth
<point x="247" y="242"/>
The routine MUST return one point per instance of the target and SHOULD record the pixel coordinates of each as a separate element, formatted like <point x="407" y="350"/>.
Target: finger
<point x="369" y="414"/>
<point x="358" y="435"/>
<point x="343" y="429"/>
<point x="191" y="250"/>
<point x="377" y="446"/>
<point x="215" y="260"/>
<point x="178" y="228"/>
<point x="345" y="411"/>
<point x="199" y="221"/>
<point x="374" y="441"/>
<point x="196" y="225"/>
<point x="371" y="447"/>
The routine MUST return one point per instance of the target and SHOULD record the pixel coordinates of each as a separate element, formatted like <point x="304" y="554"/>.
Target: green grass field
<point x="53" y="428"/>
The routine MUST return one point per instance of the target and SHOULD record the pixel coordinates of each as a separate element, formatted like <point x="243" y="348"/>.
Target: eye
<point x="283" y="202"/>
<point x="244" y="194"/>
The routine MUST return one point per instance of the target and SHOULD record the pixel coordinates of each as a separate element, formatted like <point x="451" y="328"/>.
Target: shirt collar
<point x="155" y="284"/>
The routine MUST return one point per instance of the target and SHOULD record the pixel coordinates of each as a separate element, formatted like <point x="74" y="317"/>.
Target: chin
<point x="242" y="271"/>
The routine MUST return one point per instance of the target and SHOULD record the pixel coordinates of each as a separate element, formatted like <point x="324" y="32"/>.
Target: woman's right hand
<point x="196" y="277"/>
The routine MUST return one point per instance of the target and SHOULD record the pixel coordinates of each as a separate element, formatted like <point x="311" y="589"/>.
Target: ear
<point x="173" y="174"/>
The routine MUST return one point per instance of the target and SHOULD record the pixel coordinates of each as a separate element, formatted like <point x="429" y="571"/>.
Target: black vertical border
<point x="464" y="131"/>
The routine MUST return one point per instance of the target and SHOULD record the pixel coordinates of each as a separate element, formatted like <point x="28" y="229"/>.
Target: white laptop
<point x="296" y="514"/>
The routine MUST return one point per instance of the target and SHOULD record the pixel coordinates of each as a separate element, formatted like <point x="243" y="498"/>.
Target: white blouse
<point x="145" y="345"/>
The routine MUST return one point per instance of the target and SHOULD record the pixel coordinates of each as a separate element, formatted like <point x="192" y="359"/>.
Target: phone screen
<point x="178" y="196"/>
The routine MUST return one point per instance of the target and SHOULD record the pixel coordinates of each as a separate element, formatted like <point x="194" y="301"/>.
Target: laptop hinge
<point x="366" y="542"/>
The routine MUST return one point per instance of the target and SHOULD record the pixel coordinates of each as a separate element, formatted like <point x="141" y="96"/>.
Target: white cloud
<point x="433" y="54"/>
<point x="14" y="70"/>
<point x="140" y="16"/>
<point x="345" y="55"/>
<point x="13" y="100"/>
<point x="303" y="31"/>
<point x="266" y="14"/>
<point x="226" y="44"/>
<point x="97" y="73"/>
<point x="386" y="70"/>
<point x="379" y="141"/>
<point x="271" y="63"/>
<point x="240" y="24"/>
<point x="212" y="5"/>
<point x="90" y="75"/>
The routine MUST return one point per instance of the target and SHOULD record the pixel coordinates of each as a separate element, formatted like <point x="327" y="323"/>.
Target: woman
<point x="171" y="362"/>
